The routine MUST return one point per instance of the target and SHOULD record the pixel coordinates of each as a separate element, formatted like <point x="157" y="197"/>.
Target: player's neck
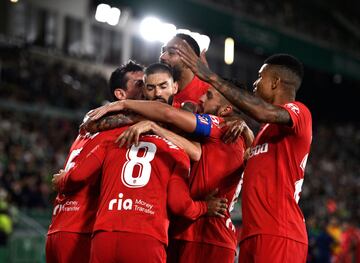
<point x="185" y="78"/>
<point x="283" y="99"/>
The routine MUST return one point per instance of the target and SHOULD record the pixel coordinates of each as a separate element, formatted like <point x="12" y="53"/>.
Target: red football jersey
<point x="273" y="177"/>
<point x="75" y="212"/>
<point x="134" y="184"/>
<point x="220" y="166"/>
<point x="192" y="92"/>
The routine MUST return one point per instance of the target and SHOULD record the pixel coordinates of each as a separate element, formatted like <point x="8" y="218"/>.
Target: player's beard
<point x="176" y="72"/>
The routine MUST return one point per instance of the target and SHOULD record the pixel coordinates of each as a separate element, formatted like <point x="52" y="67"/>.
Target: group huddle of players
<point x="154" y="175"/>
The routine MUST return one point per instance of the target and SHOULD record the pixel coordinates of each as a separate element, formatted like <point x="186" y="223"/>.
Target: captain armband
<point x="203" y="125"/>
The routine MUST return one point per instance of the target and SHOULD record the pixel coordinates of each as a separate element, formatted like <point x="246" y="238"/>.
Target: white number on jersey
<point x="143" y="162"/>
<point x="70" y="164"/>
<point x="303" y="162"/>
<point x="236" y="194"/>
<point x="298" y="185"/>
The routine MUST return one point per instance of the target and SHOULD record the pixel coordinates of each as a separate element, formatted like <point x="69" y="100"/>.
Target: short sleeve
<point x="299" y="114"/>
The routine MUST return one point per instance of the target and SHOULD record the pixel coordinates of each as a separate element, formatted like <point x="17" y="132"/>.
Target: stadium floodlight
<point x="149" y="28"/>
<point x="183" y="31"/>
<point x="107" y="14"/>
<point x="113" y="16"/>
<point x="202" y="40"/>
<point x="167" y="31"/>
<point x="102" y="11"/>
<point x="152" y="29"/>
<point x="229" y="51"/>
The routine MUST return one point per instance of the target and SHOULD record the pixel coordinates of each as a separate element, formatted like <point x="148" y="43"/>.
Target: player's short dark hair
<point x="159" y="68"/>
<point x="287" y="61"/>
<point x="118" y="79"/>
<point x="191" y="41"/>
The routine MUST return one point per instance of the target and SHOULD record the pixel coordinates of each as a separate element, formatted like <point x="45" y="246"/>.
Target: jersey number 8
<point x="143" y="162"/>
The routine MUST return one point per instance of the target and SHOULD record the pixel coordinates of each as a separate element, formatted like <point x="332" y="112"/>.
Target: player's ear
<point x="226" y="111"/>
<point x="275" y="82"/>
<point x="176" y="87"/>
<point x="120" y="94"/>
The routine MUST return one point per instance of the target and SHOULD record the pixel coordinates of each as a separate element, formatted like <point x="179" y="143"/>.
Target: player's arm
<point x="152" y="110"/>
<point x="192" y="148"/>
<point x="110" y="122"/>
<point x="180" y="202"/>
<point x="237" y="127"/>
<point x="81" y="174"/>
<point x="254" y="106"/>
<point x="132" y="134"/>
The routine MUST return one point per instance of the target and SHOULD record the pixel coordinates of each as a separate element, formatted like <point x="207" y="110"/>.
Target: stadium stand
<point x="45" y="94"/>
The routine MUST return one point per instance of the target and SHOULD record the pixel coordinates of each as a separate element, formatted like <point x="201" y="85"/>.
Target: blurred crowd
<point x="33" y="146"/>
<point x="32" y="79"/>
<point x="330" y="22"/>
<point x="330" y="198"/>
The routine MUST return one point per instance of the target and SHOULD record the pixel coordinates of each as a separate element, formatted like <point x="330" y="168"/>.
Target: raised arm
<point x="255" y="107"/>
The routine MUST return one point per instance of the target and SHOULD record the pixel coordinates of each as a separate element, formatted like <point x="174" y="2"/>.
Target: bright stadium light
<point x="149" y="28"/>
<point x="107" y="14"/>
<point x="102" y="11"/>
<point x="167" y="31"/>
<point x="183" y="31"/>
<point x="152" y="29"/>
<point x="229" y="51"/>
<point x="202" y="40"/>
<point x="113" y="16"/>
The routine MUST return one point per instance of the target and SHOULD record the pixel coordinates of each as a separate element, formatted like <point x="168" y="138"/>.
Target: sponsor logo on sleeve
<point x="293" y="107"/>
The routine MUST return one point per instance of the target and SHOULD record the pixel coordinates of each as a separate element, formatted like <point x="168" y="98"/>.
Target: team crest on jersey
<point x="293" y="107"/>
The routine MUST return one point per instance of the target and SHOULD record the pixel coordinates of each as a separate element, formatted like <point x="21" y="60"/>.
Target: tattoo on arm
<point x="255" y="107"/>
<point x="282" y="116"/>
<point x="111" y="122"/>
<point x="236" y="95"/>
